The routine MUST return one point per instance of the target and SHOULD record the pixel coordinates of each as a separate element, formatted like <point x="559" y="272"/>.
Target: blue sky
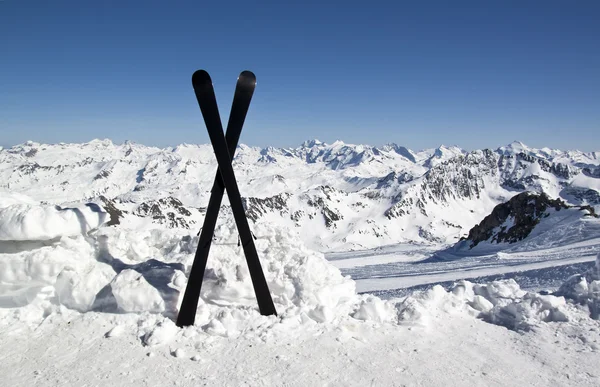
<point x="475" y="74"/>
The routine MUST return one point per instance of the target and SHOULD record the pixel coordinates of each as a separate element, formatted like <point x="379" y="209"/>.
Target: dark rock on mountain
<point x="461" y="177"/>
<point x="169" y="211"/>
<point x="102" y="174"/>
<point x="256" y="207"/>
<point x="394" y="177"/>
<point x="581" y="195"/>
<point x="517" y="171"/>
<point x="32" y="152"/>
<point x="405" y="206"/>
<point x="592" y="172"/>
<point x="28" y="169"/>
<point x="322" y="203"/>
<point x="110" y="207"/>
<point x="514" y="220"/>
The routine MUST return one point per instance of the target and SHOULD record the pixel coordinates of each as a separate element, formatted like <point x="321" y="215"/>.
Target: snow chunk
<point x="77" y="289"/>
<point x="527" y="312"/>
<point x="131" y="271"/>
<point x="134" y="294"/>
<point x="375" y="309"/>
<point x="116" y="331"/>
<point x="301" y="280"/>
<point x="19" y="222"/>
<point x="575" y="288"/>
<point x="584" y="289"/>
<point x="422" y="307"/>
<point x="498" y="292"/>
<point x="67" y="265"/>
<point x="481" y="304"/>
<point x="162" y="333"/>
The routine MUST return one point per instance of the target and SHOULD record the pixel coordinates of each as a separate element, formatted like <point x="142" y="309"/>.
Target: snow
<point x="115" y="270"/>
<point x="133" y="293"/>
<point x="9" y="198"/>
<point x="359" y="175"/>
<point x="82" y="303"/>
<point x="31" y="223"/>
<point x="22" y="219"/>
<point x="586" y="182"/>
<point x="325" y="332"/>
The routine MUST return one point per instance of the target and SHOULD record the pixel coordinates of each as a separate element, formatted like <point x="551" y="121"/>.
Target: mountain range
<point x="336" y="196"/>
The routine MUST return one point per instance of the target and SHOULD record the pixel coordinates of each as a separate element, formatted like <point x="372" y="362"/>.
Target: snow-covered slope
<point x="336" y="196"/>
<point x="534" y="220"/>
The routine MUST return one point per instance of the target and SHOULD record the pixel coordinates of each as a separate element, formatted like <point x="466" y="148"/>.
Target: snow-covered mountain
<point x="337" y="196"/>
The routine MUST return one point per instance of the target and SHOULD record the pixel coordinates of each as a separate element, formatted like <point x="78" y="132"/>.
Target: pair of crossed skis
<point x="224" y="147"/>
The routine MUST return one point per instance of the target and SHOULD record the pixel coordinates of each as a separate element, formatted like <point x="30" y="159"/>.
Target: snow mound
<point x="301" y="280"/>
<point x="501" y="303"/>
<point x="584" y="289"/>
<point x="134" y="294"/>
<point x="143" y="272"/>
<point x="21" y="219"/>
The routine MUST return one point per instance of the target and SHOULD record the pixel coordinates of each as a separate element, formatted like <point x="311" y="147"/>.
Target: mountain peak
<point x="311" y="143"/>
<point x="401" y="150"/>
<point x="514" y="148"/>
<point x="97" y="142"/>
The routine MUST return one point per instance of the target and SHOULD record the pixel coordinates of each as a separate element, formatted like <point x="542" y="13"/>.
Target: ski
<point x="224" y="148"/>
<point x="241" y="102"/>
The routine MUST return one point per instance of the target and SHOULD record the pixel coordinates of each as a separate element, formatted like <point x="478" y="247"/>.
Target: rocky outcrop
<point x="257" y="207"/>
<point x="519" y="171"/>
<point x="514" y="220"/>
<point x="592" y="172"/>
<point x="581" y="195"/>
<point x="168" y="211"/>
<point x="323" y="202"/>
<point x="394" y="178"/>
<point x="460" y="178"/>
<point x="110" y="207"/>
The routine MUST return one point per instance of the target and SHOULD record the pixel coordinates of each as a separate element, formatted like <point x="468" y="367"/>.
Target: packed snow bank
<point x="499" y="302"/>
<point x="304" y="286"/>
<point x="22" y="219"/>
<point x="585" y="289"/>
<point x="125" y="271"/>
<point x="504" y="303"/>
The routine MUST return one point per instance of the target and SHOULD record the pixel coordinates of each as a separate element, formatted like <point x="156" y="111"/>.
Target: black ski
<point x="224" y="149"/>
<point x="241" y="102"/>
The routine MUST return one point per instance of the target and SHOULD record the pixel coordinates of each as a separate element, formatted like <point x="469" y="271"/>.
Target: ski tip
<point x="200" y="77"/>
<point x="247" y="76"/>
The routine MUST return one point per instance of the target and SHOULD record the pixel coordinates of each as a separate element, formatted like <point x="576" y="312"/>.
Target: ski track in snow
<point x="402" y="266"/>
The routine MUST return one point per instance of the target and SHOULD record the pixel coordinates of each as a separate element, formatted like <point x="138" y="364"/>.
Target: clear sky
<point x="418" y="73"/>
